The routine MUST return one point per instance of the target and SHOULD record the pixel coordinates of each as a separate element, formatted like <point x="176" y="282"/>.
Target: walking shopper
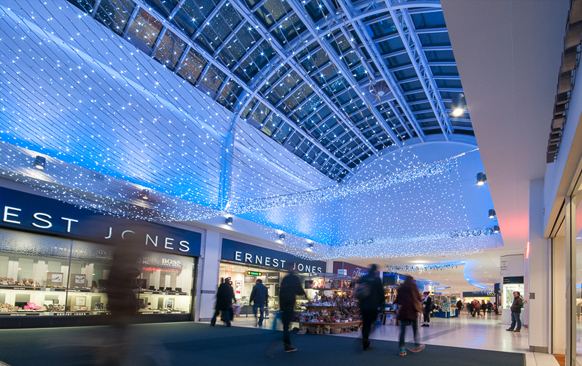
<point x="259" y="297"/>
<point x="408" y="301"/>
<point x="489" y="307"/>
<point x="427" y="308"/>
<point x="370" y="295"/>
<point x="516" y="313"/>
<point x="483" y="307"/>
<point x="459" y="306"/>
<point x="290" y="287"/>
<point x="470" y="307"/>
<point x="476" y="307"/>
<point x="224" y="301"/>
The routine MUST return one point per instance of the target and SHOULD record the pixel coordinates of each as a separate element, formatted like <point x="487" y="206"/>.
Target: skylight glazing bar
<point x="208" y="19"/>
<point x="130" y="21"/>
<point x="95" y="6"/>
<point x="182" y="58"/>
<point x="298" y="68"/>
<point x="224" y="83"/>
<point x="387" y="75"/>
<point x="248" y="53"/>
<point x="159" y="40"/>
<point x="176" y="8"/>
<point x="284" y="97"/>
<point x="278" y="23"/>
<point x="402" y="19"/>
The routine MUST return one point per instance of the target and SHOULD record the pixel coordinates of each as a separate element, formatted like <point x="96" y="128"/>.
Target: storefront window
<point x="43" y="275"/>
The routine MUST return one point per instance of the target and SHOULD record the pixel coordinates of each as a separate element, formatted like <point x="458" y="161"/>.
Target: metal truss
<point x="387" y="75"/>
<point x="245" y="12"/>
<point x="405" y="27"/>
<point x="210" y="60"/>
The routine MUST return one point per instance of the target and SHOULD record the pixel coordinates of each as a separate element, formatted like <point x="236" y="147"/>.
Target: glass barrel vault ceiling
<point x="334" y="81"/>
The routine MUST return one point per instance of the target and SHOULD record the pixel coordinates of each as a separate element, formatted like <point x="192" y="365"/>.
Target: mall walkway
<point x="199" y="344"/>
<point x="465" y="332"/>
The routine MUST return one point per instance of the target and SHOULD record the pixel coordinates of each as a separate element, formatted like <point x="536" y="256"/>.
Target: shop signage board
<point x="238" y="252"/>
<point x="26" y="212"/>
<point x="352" y="270"/>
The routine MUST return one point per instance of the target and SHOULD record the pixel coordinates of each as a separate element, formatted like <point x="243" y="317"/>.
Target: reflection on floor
<point x="465" y="332"/>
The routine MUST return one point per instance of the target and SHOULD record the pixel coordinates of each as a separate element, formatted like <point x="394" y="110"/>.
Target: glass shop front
<point x="244" y="264"/>
<point x="55" y="261"/>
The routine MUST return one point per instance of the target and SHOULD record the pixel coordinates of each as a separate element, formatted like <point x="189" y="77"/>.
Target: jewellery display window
<point x="42" y="275"/>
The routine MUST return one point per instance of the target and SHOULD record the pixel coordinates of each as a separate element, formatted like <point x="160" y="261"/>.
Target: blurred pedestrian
<point x="290" y="288"/>
<point x="483" y="307"/>
<point x="370" y="295"/>
<point x="409" y="305"/>
<point x="224" y="300"/>
<point x="427" y="308"/>
<point x="259" y="297"/>
<point x="459" y="306"/>
<point x="470" y="308"/>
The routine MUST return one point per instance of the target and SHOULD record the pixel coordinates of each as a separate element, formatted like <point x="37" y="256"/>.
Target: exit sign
<point x="251" y="273"/>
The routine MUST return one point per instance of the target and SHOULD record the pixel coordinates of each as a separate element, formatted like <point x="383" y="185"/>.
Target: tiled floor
<point x="467" y="332"/>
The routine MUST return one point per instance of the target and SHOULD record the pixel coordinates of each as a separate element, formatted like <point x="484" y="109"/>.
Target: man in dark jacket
<point x="516" y="312"/>
<point x="259" y="297"/>
<point x="427" y="308"/>
<point x="459" y="306"/>
<point x="371" y="299"/>
<point x="224" y="300"/>
<point x="290" y="287"/>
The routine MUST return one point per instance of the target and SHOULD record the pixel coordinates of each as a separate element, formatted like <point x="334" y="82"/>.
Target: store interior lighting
<point x="492" y="214"/>
<point x="496" y="229"/>
<point x="40" y="162"/>
<point x="229" y="220"/>
<point x="282" y="236"/>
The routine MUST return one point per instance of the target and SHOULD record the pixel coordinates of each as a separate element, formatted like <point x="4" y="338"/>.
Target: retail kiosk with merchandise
<point x="245" y="263"/>
<point x="55" y="261"/>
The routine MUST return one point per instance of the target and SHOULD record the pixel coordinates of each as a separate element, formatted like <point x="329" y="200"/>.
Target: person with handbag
<point x="409" y="305"/>
<point x="224" y="301"/>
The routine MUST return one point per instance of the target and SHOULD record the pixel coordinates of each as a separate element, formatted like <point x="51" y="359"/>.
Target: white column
<point x="537" y="275"/>
<point x="209" y="270"/>
<point x="570" y="277"/>
<point x="559" y="296"/>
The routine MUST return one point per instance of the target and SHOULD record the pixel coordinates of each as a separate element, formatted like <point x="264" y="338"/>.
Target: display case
<point x="42" y="275"/>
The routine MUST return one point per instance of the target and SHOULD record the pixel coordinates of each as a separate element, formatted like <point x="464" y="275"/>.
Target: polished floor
<point x="485" y="333"/>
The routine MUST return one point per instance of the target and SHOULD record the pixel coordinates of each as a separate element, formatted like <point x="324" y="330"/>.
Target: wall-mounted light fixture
<point x="281" y="236"/>
<point x="309" y="247"/>
<point x="144" y="194"/>
<point x="496" y="229"/>
<point x="39" y="162"/>
<point x="481" y="179"/>
<point x="492" y="213"/>
<point x="229" y="220"/>
<point x="459" y="105"/>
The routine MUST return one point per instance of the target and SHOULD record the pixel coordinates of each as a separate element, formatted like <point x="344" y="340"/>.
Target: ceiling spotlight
<point x="496" y="229"/>
<point x="229" y="220"/>
<point x="309" y="247"/>
<point x="459" y="105"/>
<point x="39" y="162"/>
<point x="481" y="179"/>
<point x="282" y="236"/>
<point x="491" y="213"/>
<point x="144" y="194"/>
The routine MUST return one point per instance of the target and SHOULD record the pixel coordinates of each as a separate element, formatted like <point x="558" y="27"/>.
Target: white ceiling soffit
<point x="508" y="55"/>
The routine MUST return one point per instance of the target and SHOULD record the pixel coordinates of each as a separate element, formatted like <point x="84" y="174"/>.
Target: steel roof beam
<point x="293" y="63"/>
<point x="228" y="38"/>
<point x="386" y="74"/>
<point x="416" y="54"/>
<point x="176" y="9"/>
<point x="248" y="52"/>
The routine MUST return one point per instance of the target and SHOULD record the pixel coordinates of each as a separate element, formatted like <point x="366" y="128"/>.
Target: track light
<point x="481" y="179"/>
<point x="229" y="220"/>
<point x="144" y="194"/>
<point x="282" y="236"/>
<point x="39" y="162"/>
<point x="492" y="213"/>
<point x="496" y="229"/>
<point x="459" y="105"/>
<point x="309" y="247"/>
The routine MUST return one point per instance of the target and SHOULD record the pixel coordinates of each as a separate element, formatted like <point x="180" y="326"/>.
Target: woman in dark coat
<point x="224" y="300"/>
<point x="409" y="304"/>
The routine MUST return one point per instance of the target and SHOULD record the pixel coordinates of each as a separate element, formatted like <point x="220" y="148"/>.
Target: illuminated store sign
<point x="26" y="212"/>
<point x="235" y="251"/>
